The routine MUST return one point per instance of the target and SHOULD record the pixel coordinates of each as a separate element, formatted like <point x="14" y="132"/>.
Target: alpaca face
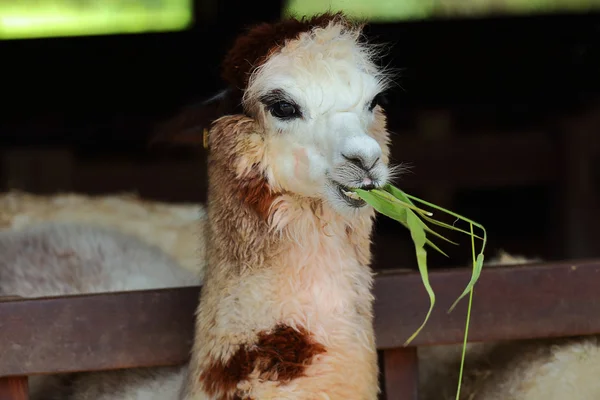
<point x="316" y="102"/>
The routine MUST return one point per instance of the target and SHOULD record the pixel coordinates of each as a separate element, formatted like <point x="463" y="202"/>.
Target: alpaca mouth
<point x="349" y="196"/>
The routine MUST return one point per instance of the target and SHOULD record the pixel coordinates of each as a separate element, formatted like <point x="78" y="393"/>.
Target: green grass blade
<point x="406" y="198"/>
<point x="446" y="211"/>
<point x="397" y="193"/>
<point x="465" y="340"/>
<point x="429" y="230"/>
<point x="478" y="266"/>
<point x="383" y="195"/>
<point x="400" y="206"/>
<point x="434" y="246"/>
<point x="381" y="205"/>
<point x="418" y="235"/>
<point x="400" y="195"/>
<point x="464" y="349"/>
<point x="434" y="233"/>
<point x="451" y="227"/>
<point x="397" y="196"/>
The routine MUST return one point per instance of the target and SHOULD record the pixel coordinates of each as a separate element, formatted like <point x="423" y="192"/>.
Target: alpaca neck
<point x="317" y="265"/>
<point x="291" y="307"/>
<point x="327" y="277"/>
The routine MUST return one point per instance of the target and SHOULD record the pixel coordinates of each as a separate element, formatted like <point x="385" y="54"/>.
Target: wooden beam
<point x="510" y="303"/>
<point x="151" y="328"/>
<point x="96" y="332"/>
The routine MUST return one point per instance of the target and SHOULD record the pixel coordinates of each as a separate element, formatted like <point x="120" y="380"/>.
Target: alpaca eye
<point x="380" y="99"/>
<point x="284" y="110"/>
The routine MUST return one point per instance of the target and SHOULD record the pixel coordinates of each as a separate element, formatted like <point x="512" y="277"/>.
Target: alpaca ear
<point x="190" y="125"/>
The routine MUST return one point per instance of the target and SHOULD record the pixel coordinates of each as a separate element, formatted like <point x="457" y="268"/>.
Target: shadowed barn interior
<point x="495" y="115"/>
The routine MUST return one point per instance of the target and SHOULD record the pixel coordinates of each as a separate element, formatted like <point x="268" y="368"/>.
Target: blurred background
<point x="497" y="110"/>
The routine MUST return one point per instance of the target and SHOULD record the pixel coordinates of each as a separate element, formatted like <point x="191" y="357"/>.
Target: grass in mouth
<point x="400" y="206"/>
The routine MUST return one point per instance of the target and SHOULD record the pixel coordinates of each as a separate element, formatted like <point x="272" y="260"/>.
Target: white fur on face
<point x="324" y="148"/>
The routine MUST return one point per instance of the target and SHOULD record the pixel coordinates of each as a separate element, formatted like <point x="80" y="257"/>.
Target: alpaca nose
<point x="368" y="180"/>
<point x="360" y="162"/>
<point x="362" y="151"/>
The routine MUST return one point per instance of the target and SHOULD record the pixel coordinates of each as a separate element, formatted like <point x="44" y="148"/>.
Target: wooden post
<point x="401" y="375"/>
<point x="14" y="388"/>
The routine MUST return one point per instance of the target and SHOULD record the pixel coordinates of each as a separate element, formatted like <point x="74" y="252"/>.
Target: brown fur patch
<point x="257" y="193"/>
<point x="229" y="149"/>
<point x="251" y="49"/>
<point x="279" y="355"/>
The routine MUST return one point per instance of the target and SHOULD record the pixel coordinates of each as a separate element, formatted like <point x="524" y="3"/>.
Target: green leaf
<point x="446" y="211"/>
<point x="428" y="229"/>
<point x="470" y="306"/>
<point x="400" y="206"/>
<point x="395" y="210"/>
<point x="383" y="206"/>
<point x="477" y="267"/>
<point x="451" y="227"/>
<point x="433" y="246"/>
<point x="383" y="195"/>
<point x="478" y="263"/>
<point x="418" y="236"/>
<point x="397" y="193"/>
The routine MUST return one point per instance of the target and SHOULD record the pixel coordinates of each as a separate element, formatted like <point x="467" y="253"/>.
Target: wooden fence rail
<point x="155" y="328"/>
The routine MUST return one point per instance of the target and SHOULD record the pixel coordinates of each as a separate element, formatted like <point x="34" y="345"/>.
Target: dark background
<point x="498" y="118"/>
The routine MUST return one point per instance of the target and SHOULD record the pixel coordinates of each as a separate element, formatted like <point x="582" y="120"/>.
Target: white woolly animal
<point x="177" y="229"/>
<point x="53" y="259"/>
<point x="545" y="369"/>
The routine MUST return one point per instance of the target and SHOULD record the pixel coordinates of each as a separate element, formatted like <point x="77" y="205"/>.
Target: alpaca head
<point x="315" y="100"/>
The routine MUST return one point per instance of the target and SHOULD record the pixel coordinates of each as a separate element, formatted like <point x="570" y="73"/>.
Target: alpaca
<point x="286" y="304"/>
<point x="58" y="259"/>
<point x="542" y="369"/>
<point x="177" y="229"/>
